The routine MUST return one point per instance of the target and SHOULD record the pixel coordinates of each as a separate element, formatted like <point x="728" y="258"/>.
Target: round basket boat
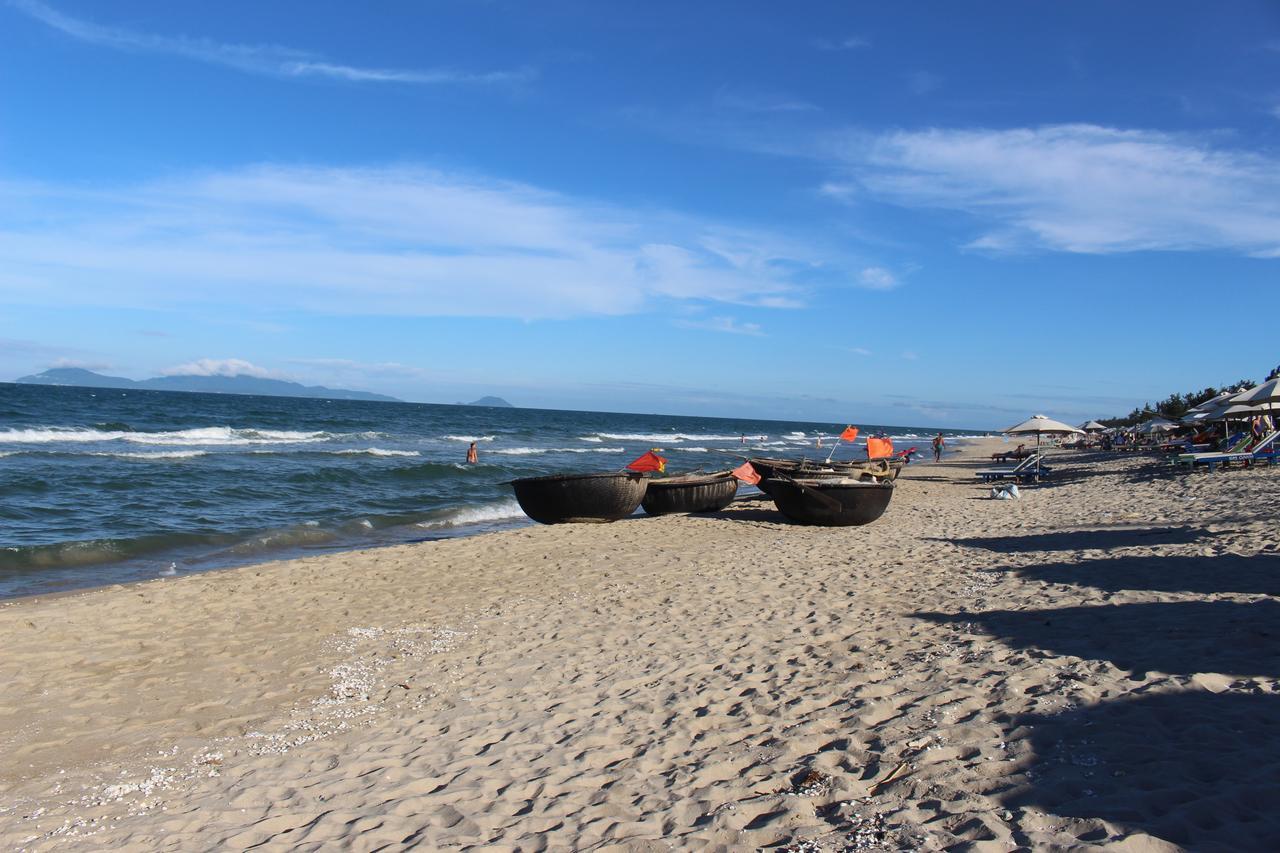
<point x="564" y="498"/>
<point x="690" y="493"/>
<point x="831" y="502"/>
<point x="809" y="469"/>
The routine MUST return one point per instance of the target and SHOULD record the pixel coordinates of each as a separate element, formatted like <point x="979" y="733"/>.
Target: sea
<point x="104" y="486"/>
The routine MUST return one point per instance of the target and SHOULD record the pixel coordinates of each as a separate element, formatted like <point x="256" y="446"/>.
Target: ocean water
<point x="101" y="486"/>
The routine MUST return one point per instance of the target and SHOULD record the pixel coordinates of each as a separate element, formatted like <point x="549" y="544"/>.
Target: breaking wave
<point x="480" y="514"/>
<point x="202" y="436"/>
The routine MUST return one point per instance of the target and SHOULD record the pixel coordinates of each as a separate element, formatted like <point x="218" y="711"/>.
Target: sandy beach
<point x="1095" y="663"/>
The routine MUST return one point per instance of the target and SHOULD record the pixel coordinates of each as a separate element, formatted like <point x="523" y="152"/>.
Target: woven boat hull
<point x="856" y="502"/>
<point x="576" y="498"/>
<point x="879" y="469"/>
<point x="692" y="493"/>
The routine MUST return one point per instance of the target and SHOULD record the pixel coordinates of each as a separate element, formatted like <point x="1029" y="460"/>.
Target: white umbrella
<point x="1041" y="425"/>
<point x="1156" y="425"/>
<point x="1093" y="426"/>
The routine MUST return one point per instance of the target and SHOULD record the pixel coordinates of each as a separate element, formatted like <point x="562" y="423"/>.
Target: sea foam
<point x="478" y="514"/>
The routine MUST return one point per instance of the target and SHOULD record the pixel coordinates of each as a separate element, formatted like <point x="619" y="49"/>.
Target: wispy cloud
<point x="1077" y="188"/>
<point x="759" y="102"/>
<point x="723" y="324"/>
<point x="86" y="364"/>
<point x="846" y="43"/>
<point x="347" y="367"/>
<point x="255" y="59"/>
<point x="923" y="82"/>
<point x="877" y="278"/>
<point x="404" y="240"/>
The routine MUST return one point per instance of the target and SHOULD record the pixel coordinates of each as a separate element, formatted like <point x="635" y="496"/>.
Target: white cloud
<point x="1078" y="188"/>
<point x="255" y="59"/>
<point x="220" y="367"/>
<point x="859" y="350"/>
<point x="877" y="278"/>
<point x="81" y="363"/>
<point x="723" y="324"/>
<point x="400" y="241"/>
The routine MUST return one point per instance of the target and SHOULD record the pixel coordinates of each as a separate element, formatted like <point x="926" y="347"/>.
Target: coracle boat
<point x="690" y="493"/>
<point x="564" y="498"/>
<point x="870" y="469"/>
<point x="831" y="502"/>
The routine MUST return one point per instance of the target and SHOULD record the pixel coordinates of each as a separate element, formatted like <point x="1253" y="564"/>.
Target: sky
<point x="943" y="214"/>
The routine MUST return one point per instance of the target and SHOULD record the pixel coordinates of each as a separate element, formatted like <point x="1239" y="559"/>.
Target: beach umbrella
<point x="1041" y="425"/>
<point x="1157" y="424"/>
<point x="1093" y="426"/>
<point x="1264" y="396"/>
<point x="1238" y="410"/>
<point x="1219" y="401"/>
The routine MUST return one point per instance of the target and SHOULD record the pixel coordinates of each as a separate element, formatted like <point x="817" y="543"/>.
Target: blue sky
<point x="949" y="214"/>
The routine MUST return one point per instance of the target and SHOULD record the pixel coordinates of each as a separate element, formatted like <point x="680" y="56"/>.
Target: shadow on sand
<point x="1081" y="540"/>
<point x="1184" y="637"/>
<point x="1259" y="575"/>
<point x="1198" y="767"/>
<point x="1193" y="768"/>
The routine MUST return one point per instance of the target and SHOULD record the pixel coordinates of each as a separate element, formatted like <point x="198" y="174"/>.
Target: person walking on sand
<point x="472" y="456"/>
<point x="938" y="443"/>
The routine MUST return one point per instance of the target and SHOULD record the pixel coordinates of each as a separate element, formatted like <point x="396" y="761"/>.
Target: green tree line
<point x="1175" y="405"/>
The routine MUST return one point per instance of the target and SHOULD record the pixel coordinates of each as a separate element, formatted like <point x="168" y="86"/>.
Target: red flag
<point x="650" y="461"/>
<point x="878" y="448"/>
<point x="747" y="473"/>
<point x="850" y="433"/>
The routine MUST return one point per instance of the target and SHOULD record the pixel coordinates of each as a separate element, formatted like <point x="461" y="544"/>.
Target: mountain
<point x="496" y="402"/>
<point x="208" y="384"/>
<point x="78" y="377"/>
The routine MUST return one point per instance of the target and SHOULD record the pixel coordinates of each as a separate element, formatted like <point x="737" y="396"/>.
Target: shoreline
<point x="730" y="680"/>
<point x="145" y="570"/>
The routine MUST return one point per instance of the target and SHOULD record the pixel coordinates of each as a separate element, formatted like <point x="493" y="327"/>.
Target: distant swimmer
<point x="472" y="456"/>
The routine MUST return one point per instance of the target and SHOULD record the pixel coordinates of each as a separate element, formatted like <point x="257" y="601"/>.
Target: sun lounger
<point x="1239" y="444"/>
<point x="1027" y="469"/>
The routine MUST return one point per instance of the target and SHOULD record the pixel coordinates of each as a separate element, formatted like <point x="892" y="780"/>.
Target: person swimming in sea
<point x="472" y="456"/>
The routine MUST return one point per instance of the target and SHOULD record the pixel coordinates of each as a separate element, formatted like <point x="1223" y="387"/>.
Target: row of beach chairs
<point x="1245" y="451"/>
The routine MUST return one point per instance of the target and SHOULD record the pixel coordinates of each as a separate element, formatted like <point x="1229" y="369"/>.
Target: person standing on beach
<point x="938" y="443"/>
<point x="472" y="456"/>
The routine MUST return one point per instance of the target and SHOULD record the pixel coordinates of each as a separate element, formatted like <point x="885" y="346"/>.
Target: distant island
<point x="496" y="402"/>
<point x="240" y="384"/>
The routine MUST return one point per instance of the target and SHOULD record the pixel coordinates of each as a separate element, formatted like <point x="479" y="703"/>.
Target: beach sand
<point x="1095" y="663"/>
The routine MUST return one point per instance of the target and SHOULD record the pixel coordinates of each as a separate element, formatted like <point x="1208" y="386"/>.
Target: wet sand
<point x="1095" y="663"/>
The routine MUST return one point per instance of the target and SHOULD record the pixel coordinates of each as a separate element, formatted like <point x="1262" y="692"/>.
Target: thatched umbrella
<point x="1041" y="425"/>
<point x="1266" y="395"/>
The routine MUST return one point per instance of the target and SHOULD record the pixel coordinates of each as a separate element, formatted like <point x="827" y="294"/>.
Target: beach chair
<point x="1027" y="469"/>
<point x="1237" y="445"/>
